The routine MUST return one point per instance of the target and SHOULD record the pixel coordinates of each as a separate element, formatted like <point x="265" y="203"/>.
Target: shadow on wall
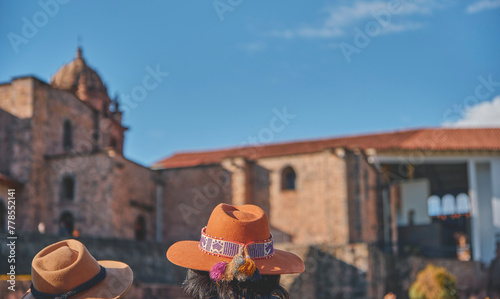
<point x="147" y="259"/>
<point x="260" y="196"/>
<point x="260" y="183"/>
<point x="328" y="277"/>
<point x="189" y="198"/>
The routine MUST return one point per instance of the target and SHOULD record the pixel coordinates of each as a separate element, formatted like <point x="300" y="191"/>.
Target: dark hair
<point x="198" y="285"/>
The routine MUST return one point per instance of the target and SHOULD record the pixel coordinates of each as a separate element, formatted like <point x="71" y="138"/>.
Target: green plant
<point x="434" y="283"/>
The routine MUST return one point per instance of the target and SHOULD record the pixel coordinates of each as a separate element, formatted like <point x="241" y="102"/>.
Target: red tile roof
<point x="9" y="181"/>
<point x="439" y="139"/>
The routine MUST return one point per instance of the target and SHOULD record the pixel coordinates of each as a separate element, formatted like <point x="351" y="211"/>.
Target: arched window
<point x="448" y="204"/>
<point x="434" y="206"/>
<point x="463" y="203"/>
<point x="67" y="135"/>
<point x="66" y="224"/>
<point x="140" y="228"/>
<point x="288" y="178"/>
<point x="3" y="216"/>
<point x="67" y="192"/>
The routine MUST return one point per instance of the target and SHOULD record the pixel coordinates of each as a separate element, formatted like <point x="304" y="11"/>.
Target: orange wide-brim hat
<point x="66" y="266"/>
<point x="228" y="230"/>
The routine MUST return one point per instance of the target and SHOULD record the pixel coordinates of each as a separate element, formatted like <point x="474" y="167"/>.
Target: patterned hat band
<point x="223" y="248"/>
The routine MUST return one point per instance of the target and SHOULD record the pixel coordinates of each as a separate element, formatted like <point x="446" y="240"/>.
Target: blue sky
<point x="340" y="67"/>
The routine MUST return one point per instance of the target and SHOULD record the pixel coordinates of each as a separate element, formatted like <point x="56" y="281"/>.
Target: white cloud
<point x="482" y="5"/>
<point x="394" y="28"/>
<point x="484" y="114"/>
<point x="342" y="19"/>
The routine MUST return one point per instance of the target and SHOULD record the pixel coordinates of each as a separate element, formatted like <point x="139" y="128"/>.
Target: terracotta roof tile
<point x="439" y="139"/>
<point x="9" y="181"/>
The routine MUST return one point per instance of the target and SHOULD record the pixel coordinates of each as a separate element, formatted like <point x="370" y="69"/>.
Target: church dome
<point x="68" y="77"/>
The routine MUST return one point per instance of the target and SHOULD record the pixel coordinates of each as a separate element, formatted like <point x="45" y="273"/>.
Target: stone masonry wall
<point x="471" y="277"/>
<point x="259" y="183"/>
<point x="15" y="139"/>
<point x="353" y="271"/>
<point x="364" y="200"/>
<point x="316" y="212"/>
<point x="133" y="195"/>
<point x="189" y="196"/>
<point x="8" y="124"/>
<point x="15" y="148"/>
<point x="52" y="108"/>
<point x="93" y="194"/>
<point x="16" y="97"/>
<point x="154" y="275"/>
<point x="342" y="271"/>
<point x="240" y="179"/>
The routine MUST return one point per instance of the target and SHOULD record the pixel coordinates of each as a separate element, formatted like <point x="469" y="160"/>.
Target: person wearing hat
<point x="66" y="270"/>
<point x="235" y="257"/>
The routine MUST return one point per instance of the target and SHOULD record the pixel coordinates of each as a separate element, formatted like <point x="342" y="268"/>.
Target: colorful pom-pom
<point x="239" y="261"/>
<point x="248" y="268"/>
<point x="217" y="271"/>
<point x="229" y="274"/>
<point x="241" y="267"/>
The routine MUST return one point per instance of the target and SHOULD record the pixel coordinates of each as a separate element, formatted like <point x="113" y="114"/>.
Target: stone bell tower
<point x="79" y="79"/>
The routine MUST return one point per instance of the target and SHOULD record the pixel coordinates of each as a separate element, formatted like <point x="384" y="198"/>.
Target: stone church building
<point x="61" y="148"/>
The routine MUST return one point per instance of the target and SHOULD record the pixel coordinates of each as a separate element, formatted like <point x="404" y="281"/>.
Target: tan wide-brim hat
<point x="247" y="224"/>
<point x="67" y="265"/>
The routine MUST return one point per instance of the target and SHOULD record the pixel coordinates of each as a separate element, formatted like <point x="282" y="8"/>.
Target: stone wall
<point x="133" y="196"/>
<point x="15" y="156"/>
<point x="15" y="147"/>
<point x="352" y="271"/>
<point x="343" y="271"/>
<point x="16" y="97"/>
<point x="111" y="192"/>
<point x="316" y="212"/>
<point x="111" y="134"/>
<point x="91" y="129"/>
<point x="360" y="271"/>
<point x="331" y="272"/>
<point x="189" y="196"/>
<point x="93" y="194"/>
<point x="31" y="151"/>
<point x="8" y="123"/>
<point x="239" y="168"/>
<point x="52" y="108"/>
<point x="365" y="200"/>
<point x="259" y="185"/>
<point x="402" y="272"/>
<point x="153" y="273"/>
